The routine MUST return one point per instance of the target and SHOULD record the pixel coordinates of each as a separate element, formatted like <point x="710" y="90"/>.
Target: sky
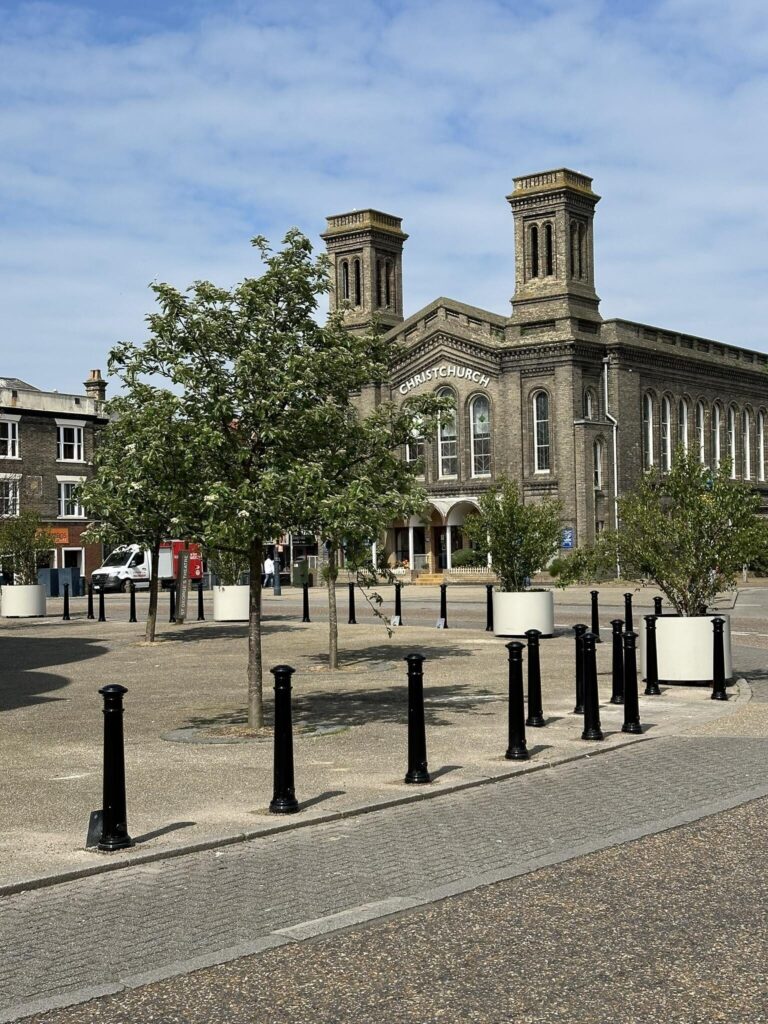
<point x="150" y="141"/>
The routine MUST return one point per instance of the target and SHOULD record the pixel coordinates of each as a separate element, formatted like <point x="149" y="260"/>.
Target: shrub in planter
<point x="22" y="542"/>
<point x="521" y="539"/>
<point x="231" y="601"/>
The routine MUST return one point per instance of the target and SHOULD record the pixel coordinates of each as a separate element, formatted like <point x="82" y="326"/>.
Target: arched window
<point x="389" y="289"/>
<point x="715" y="431"/>
<point x="541" y="460"/>
<point x="647" y="431"/>
<point x="597" y="454"/>
<point x="701" y="433"/>
<point x="534" y="251"/>
<point x="761" y="445"/>
<point x="379" y="283"/>
<point x="345" y="281"/>
<point x="574" y="248"/>
<point x="582" y="250"/>
<point x="480" y="424"/>
<point x="746" y="446"/>
<point x="358" y="289"/>
<point x="414" y="448"/>
<point x="589" y="404"/>
<point x="732" y="440"/>
<point x="666" y="434"/>
<point x="682" y="423"/>
<point x="448" y="454"/>
<point x="548" y="251"/>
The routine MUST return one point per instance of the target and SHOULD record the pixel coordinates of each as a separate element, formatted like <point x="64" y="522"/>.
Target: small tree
<point x="143" y="490"/>
<point x="520" y="538"/>
<point x="689" y="532"/>
<point x="22" y="541"/>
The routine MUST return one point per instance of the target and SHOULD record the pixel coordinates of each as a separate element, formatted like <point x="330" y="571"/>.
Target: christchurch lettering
<point x="443" y="372"/>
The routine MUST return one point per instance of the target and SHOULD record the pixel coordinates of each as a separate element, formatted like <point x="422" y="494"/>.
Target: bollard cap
<point x="717" y="624"/>
<point x="113" y="690"/>
<point x="618" y="625"/>
<point x="589" y="637"/>
<point x="629" y="639"/>
<point x="282" y="670"/>
<point x="533" y="634"/>
<point x="594" y="593"/>
<point x="580" y="628"/>
<point x="650" y="621"/>
<point x="515" y="647"/>
<point x="414" y="659"/>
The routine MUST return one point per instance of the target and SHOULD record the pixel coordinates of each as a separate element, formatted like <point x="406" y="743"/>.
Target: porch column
<point x="410" y="547"/>
<point x="490" y="560"/>
<point x="373" y="554"/>
<point x="448" y="560"/>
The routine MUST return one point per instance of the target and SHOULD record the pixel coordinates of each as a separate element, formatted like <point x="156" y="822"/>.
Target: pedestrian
<point x="268" y="576"/>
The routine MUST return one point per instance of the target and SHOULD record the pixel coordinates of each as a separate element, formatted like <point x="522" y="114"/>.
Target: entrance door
<point x="438" y="548"/>
<point x="72" y="558"/>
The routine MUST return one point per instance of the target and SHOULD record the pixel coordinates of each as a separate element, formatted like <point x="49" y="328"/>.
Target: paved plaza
<point x="193" y="892"/>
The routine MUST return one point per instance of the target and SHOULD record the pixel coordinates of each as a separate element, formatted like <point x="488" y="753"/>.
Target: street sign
<point x="566" y="542"/>
<point x="182" y="586"/>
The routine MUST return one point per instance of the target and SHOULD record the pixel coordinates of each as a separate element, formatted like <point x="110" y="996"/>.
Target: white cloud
<point x="148" y="148"/>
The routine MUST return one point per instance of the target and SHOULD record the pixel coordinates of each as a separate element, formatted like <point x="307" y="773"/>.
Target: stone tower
<point x="366" y="250"/>
<point x="554" y="254"/>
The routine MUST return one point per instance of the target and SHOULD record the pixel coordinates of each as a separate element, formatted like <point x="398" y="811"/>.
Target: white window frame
<point x="589" y="410"/>
<point x="473" y="439"/>
<point x="761" y="445"/>
<point x="448" y="445"/>
<point x="701" y="432"/>
<point x="12" y="422"/>
<point x="648" y="454"/>
<point x="715" y="429"/>
<point x="542" y="449"/>
<point x="79" y="427"/>
<point x="666" y="434"/>
<point x="414" y="448"/>
<point x="597" y="455"/>
<point x="732" y="440"/>
<point x="14" y="479"/>
<point x="65" y="481"/>
<point x="746" y="445"/>
<point x="682" y="424"/>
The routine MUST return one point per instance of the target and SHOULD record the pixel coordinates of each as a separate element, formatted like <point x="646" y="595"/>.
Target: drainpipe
<point x="615" y="425"/>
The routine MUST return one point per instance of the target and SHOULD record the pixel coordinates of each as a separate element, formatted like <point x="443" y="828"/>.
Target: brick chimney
<point x="95" y="387"/>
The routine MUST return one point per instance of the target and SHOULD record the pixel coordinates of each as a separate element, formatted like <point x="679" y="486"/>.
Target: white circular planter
<point x="684" y="648"/>
<point x="514" y="614"/>
<point x="23" y="602"/>
<point x="230" y="604"/>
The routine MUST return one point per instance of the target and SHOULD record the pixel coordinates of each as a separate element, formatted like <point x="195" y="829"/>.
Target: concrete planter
<point x="684" y="648"/>
<point x="514" y="614"/>
<point x="23" y="602"/>
<point x="230" y="604"/>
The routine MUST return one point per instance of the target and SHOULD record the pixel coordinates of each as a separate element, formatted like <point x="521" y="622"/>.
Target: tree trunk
<point x="154" y="583"/>
<point x="333" y="620"/>
<point x="255" y="698"/>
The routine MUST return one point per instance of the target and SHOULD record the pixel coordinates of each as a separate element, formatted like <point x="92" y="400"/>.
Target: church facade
<point x="567" y="404"/>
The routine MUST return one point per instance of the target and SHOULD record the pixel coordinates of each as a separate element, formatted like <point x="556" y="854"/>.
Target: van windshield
<point x="119" y="557"/>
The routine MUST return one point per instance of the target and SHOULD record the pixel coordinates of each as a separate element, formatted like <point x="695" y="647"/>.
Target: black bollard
<point x="399" y="603"/>
<point x="172" y="603"/>
<point x="488" y="607"/>
<point x="651" y="661"/>
<point x="578" y="631"/>
<point x="592" y="730"/>
<point x="114" y="820"/>
<point x="200" y="604"/>
<point x="718" y="660"/>
<point x="628" y="627"/>
<point x="284" y="796"/>
<point x="132" y="611"/>
<point x="631" y="705"/>
<point x="617" y="680"/>
<point x="102" y="608"/>
<point x="657" y="606"/>
<point x="352" y="620"/>
<point x="535" y="710"/>
<point x="517" y="749"/>
<point x="65" y="616"/>
<point x="595" y="616"/>
<point x="90" y="614"/>
<point x="444" y="604"/>
<point x="305" y="604"/>
<point x="417" y="736"/>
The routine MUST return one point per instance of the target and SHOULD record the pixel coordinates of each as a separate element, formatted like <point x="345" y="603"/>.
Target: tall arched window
<point x="345" y="281"/>
<point x="732" y="440"/>
<point x="448" y="460"/>
<point x="574" y="249"/>
<point x="480" y="424"/>
<point x="389" y="283"/>
<point x="549" y="259"/>
<point x="682" y="423"/>
<point x="647" y="431"/>
<point x="597" y="456"/>
<point x="541" y="459"/>
<point x="761" y="445"/>
<point x="666" y="434"/>
<point x="582" y="250"/>
<point x="746" y="446"/>
<point x="357" y="280"/>
<point x="534" y="251"/>
<point x="701" y="433"/>
<point x="715" y="430"/>
<point x="414" y="448"/>
<point x="589" y="404"/>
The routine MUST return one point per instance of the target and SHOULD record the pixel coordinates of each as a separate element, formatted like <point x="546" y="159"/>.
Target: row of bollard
<point x="132" y="603"/>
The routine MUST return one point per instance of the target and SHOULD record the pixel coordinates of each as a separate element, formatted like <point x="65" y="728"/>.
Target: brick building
<point x="553" y="396"/>
<point x="46" y="448"/>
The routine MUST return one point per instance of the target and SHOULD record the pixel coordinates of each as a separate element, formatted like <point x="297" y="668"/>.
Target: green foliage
<point x="587" y="564"/>
<point x="22" y="541"/>
<point x="469" y="557"/>
<point x="228" y="566"/>
<point x="521" y="538"/>
<point x="689" y="532"/>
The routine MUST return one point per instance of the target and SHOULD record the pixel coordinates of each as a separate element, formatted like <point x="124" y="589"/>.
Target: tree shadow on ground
<point x="348" y="708"/>
<point x="215" y="631"/>
<point x="21" y="682"/>
<point x="392" y="656"/>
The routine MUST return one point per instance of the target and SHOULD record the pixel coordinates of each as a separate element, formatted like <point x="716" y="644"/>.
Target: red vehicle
<point x="132" y="562"/>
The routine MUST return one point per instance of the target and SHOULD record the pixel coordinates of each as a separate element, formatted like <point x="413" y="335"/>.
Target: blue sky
<point x="151" y="140"/>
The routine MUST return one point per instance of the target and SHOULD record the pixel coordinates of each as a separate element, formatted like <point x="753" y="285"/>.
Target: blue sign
<point x="567" y="542"/>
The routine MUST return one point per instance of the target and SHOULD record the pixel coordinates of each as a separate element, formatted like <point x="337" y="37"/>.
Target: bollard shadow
<point x="162" y="831"/>
<point x="446" y="769"/>
<point x="321" y="798"/>
<point x="23" y="684"/>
